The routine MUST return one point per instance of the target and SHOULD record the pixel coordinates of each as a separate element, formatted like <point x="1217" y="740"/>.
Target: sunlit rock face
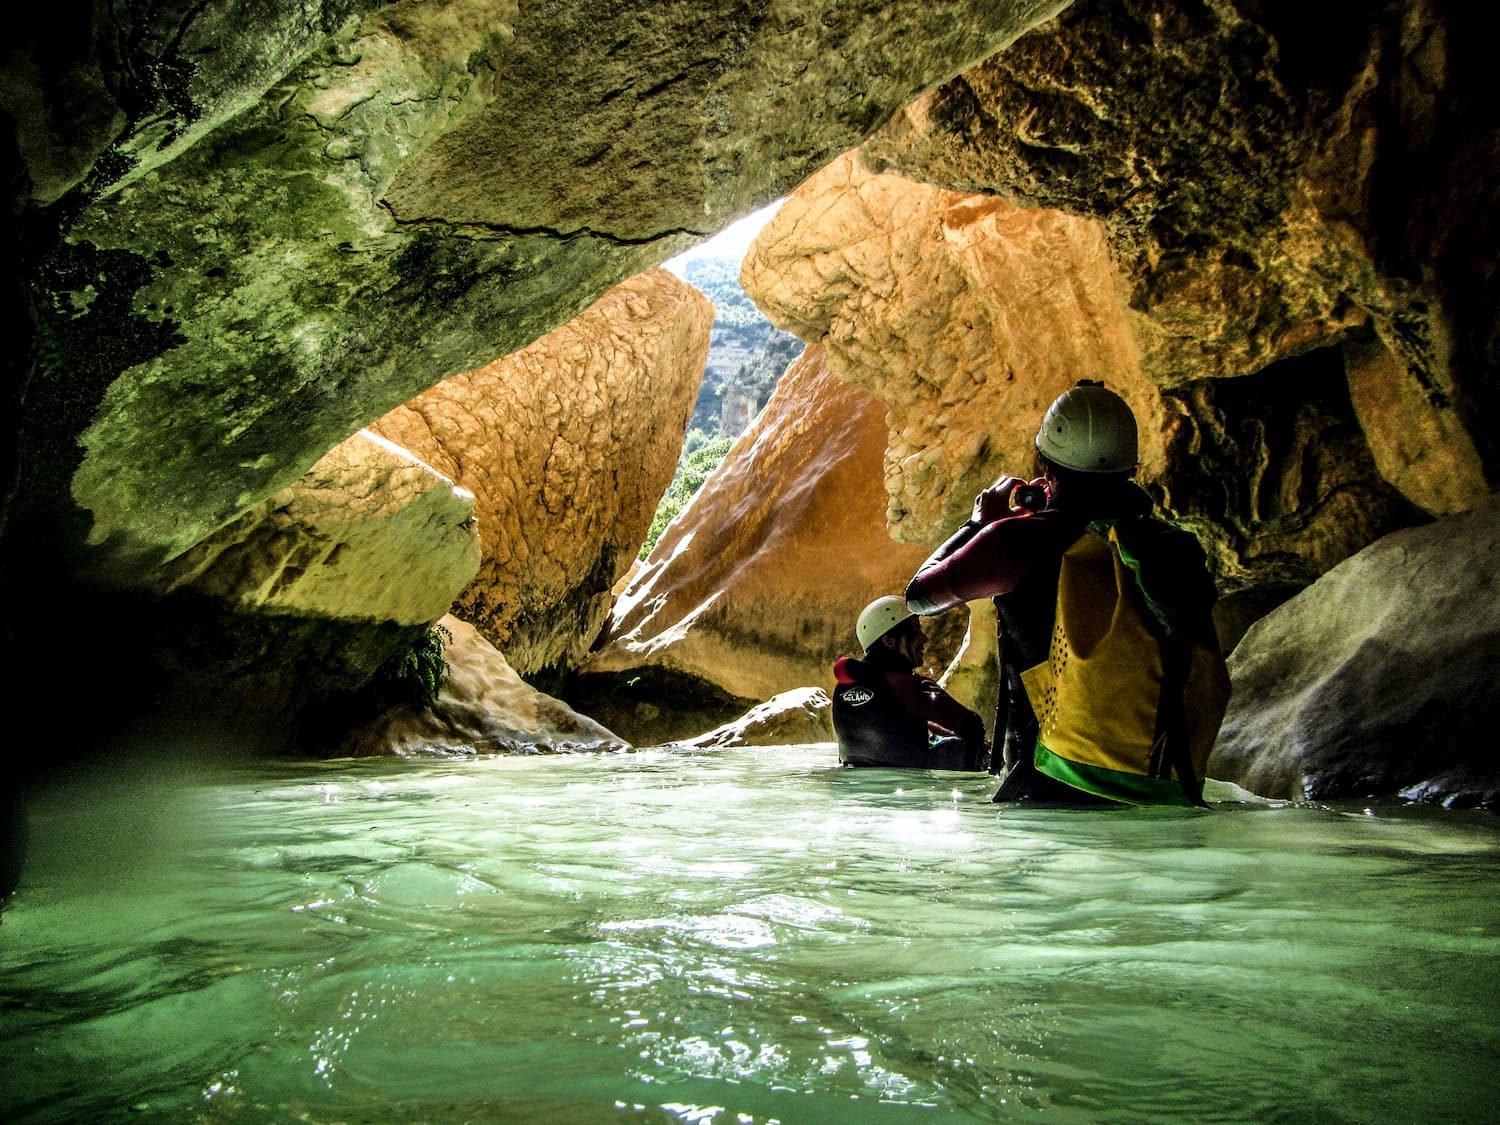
<point x="756" y="585"/>
<point x="965" y="315"/>
<point x="973" y="676"/>
<point x="369" y="532"/>
<point x="269" y="244"/>
<point x="567" y="445"/>
<point x="1380" y="677"/>
<point x="1273" y="182"/>
<point x="483" y="707"/>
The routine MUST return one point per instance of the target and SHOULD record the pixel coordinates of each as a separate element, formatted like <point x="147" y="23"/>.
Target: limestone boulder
<point x="755" y="586"/>
<point x="369" y="533"/>
<point x="794" y="717"/>
<point x="1272" y="182"/>
<point x="281" y="220"/>
<point x="973" y="676"/>
<point x="483" y="707"/>
<point x="1381" y="678"/>
<point x="567" y="445"/>
<point x="966" y="316"/>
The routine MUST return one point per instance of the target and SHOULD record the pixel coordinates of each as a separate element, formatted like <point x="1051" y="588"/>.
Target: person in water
<point x="1112" y="684"/>
<point x="885" y="714"/>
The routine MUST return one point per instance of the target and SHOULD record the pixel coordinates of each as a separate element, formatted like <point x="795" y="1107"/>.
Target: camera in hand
<point x="1028" y="497"/>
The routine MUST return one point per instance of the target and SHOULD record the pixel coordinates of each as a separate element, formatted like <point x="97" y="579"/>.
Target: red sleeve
<point x="993" y="562"/>
<point x="923" y="698"/>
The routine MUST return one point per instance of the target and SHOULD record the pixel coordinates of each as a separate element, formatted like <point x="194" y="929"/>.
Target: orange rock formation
<point x="567" y="446"/>
<point x="965" y="315"/>
<point x="756" y="585"/>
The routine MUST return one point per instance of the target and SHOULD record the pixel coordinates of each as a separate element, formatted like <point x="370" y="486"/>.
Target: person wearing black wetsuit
<point x="886" y="715"/>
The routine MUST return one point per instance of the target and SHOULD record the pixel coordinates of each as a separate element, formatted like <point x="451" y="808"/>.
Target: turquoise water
<point x="745" y="935"/>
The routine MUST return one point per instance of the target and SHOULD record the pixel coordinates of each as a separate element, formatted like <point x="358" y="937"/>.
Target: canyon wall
<point x="756" y="585"/>
<point x="1173" y="198"/>
<point x="965" y="315"/>
<point x="567" y="445"/>
<point x="1272" y="183"/>
<point x="236" y="233"/>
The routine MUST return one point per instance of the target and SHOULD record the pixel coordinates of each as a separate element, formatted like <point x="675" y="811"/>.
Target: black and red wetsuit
<point x="882" y="712"/>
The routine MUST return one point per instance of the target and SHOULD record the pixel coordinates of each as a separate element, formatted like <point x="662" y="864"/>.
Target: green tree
<point x="700" y="457"/>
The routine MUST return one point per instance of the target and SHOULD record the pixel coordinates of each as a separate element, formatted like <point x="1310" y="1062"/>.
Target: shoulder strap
<point x="1170" y="752"/>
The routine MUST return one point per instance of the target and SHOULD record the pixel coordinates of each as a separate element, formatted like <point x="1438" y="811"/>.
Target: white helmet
<point x="879" y="618"/>
<point x="1089" y="429"/>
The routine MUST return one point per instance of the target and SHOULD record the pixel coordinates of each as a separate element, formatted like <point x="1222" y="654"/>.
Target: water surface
<point x="744" y="935"/>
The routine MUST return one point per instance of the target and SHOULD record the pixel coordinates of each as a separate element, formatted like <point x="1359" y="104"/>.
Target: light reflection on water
<point x="739" y="935"/>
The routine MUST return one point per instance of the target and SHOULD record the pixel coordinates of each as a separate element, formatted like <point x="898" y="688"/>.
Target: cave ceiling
<point x="253" y="227"/>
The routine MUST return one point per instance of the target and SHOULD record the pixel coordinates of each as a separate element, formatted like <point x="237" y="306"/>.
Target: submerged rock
<point x="567" y="445"/>
<point x="1381" y="678"/>
<point x="483" y="707"/>
<point x="794" y="717"/>
<point x="755" y="586"/>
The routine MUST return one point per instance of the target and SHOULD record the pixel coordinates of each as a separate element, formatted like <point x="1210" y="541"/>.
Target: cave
<point x="347" y="380"/>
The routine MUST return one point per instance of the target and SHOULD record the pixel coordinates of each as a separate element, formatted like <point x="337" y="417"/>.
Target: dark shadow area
<point x="647" y="706"/>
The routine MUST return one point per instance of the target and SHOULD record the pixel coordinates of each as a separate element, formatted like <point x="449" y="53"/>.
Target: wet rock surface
<point x="1378" y="679"/>
<point x="566" y="445"/>
<point x="483" y="707"/>
<point x="756" y="585"/>
<point x="794" y="717"/>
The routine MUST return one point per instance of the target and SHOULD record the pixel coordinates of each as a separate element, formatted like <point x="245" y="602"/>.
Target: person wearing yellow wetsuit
<point x="1112" y="684"/>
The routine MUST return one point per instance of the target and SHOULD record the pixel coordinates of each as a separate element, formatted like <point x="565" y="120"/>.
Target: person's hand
<point x="994" y="502"/>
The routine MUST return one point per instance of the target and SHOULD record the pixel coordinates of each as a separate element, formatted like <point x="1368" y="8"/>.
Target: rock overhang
<point x="421" y="189"/>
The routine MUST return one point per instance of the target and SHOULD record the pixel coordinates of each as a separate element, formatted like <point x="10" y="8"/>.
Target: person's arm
<point x="985" y="562"/>
<point x="923" y="698"/>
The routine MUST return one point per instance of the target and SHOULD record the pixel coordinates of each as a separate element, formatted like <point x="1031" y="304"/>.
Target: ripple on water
<point x="700" y="937"/>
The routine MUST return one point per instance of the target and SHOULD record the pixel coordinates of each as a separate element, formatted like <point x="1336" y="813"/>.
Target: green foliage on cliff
<point x="701" y="454"/>
<point x="418" y="674"/>
<point x="746" y="351"/>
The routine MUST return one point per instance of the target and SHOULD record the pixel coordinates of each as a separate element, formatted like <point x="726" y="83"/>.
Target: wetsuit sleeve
<point x="923" y="698"/>
<point x="979" y="562"/>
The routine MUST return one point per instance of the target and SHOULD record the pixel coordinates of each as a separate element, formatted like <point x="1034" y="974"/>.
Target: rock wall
<point x="1272" y="182"/>
<point x="567" y="445"/>
<point x="756" y="585"/>
<point x="279" y="629"/>
<point x="1379" y="678"/>
<point x="369" y="533"/>
<point x="965" y="315"/>
<point x="274" y="222"/>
